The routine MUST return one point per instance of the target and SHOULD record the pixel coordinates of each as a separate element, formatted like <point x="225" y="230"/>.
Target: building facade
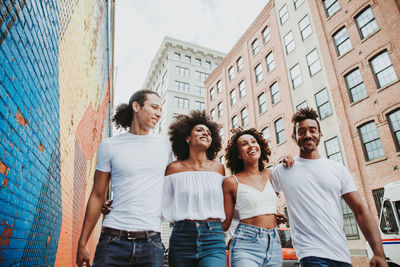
<point x="340" y="58"/>
<point x="177" y="73"/>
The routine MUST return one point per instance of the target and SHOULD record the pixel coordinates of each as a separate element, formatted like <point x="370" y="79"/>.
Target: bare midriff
<point x="267" y="221"/>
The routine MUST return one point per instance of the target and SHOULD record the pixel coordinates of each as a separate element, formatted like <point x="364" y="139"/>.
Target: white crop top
<point x="251" y="202"/>
<point x="193" y="195"/>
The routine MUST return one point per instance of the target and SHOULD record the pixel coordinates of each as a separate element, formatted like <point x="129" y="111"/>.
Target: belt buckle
<point x="130" y="235"/>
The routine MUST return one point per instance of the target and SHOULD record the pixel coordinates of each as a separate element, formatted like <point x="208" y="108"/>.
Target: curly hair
<point x="182" y="128"/>
<point x="301" y="115"/>
<point x="232" y="151"/>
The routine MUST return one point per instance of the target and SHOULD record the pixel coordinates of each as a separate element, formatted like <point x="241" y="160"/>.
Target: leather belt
<point x="130" y="235"/>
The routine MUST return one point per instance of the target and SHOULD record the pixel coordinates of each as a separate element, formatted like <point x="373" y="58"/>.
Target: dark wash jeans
<point x="115" y="251"/>
<point x="197" y="244"/>
<point x="322" y="262"/>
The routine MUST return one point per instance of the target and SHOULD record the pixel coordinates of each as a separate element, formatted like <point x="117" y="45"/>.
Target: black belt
<point x="130" y="235"/>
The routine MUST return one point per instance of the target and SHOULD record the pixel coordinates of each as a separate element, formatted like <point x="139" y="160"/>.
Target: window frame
<point x="394" y="132"/>
<point x="364" y="143"/>
<point x="277" y="133"/>
<point x="357" y="86"/>
<point x="342" y="42"/>
<point x="320" y="105"/>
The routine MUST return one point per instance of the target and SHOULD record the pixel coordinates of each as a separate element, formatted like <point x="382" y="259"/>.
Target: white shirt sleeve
<point x="104" y="157"/>
<point x="347" y="183"/>
<point x="275" y="180"/>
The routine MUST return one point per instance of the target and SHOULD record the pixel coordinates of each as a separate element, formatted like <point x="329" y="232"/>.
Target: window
<point x="302" y="105"/>
<point x="199" y="105"/>
<point x="262" y="104"/>
<point x="201" y="76"/>
<point x="243" y="115"/>
<point x="221" y="132"/>
<point x="266" y="34"/>
<point x="270" y="62"/>
<point x="378" y="197"/>
<point x="297" y="3"/>
<point x="181" y="102"/>
<point x="366" y="23"/>
<point x="242" y="90"/>
<point x="188" y="59"/>
<point x="231" y="73"/>
<point x="394" y="122"/>
<point x="220" y="111"/>
<point x="280" y="131"/>
<point x="283" y="14"/>
<point x="235" y="122"/>
<point x="388" y="219"/>
<point x="212" y="94"/>
<point x="342" y="41"/>
<point x="266" y="133"/>
<point x="355" y="85"/>
<point x="370" y="141"/>
<point x="383" y="69"/>
<point x="258" y="72"/>
<point x="219" y="87"/>
<point x="254" y="46"/>
<point x="200" y="90"/>
<point x="275" y="97"/>
<point x="332" y="149"/>
<point x="208" y="64"/>
<point x="331" y="7"/>
<point x="349" y="222"/>
<point x="232" y="95"/>
<point x="313" y="62"/>
<point x="239" y="64"/>
<point x="289" y="42"/>
<point x="182" y="71"/>
<point x="212" y="114"/>
<point x="197" y="61"/>
<point x="177" y="56"/>
<point x="322" y="101"/>
<point x="222" y="160"/>
<point x="296" y="77"/>
<point x="181" y="86"/>
<point x="305" y="27"/>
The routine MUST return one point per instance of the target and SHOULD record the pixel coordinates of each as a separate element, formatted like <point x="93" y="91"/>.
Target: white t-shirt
<point x="313" y="190"/>
<point x="137" y="164"/>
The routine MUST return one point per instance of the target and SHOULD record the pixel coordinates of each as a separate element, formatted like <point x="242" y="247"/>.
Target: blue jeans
<point x="255" y="246"/>
<point x="197" y="244"/>
<point x="322" y="262"/>
<point x="115" y="251"/>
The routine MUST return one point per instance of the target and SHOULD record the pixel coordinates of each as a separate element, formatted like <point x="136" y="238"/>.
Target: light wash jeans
<point x="255" y="246"/>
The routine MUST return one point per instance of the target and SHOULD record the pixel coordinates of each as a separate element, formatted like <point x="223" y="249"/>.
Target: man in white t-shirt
<point x="313" y="189"/>
<point x="135" y="162"/>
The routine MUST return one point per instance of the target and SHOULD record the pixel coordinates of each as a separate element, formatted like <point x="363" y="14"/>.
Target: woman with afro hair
<point x="249" y="193"/>
<point x="193" y="197"/>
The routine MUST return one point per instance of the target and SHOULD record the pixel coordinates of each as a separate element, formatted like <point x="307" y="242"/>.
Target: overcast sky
<point x="140" y="26"/>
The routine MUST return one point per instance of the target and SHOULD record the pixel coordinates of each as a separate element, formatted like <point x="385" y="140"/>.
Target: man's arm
<point x="368" y="227"/>
<point x="93" y="211"/>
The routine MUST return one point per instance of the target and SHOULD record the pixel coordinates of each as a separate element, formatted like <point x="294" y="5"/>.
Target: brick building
<point x="339" y="57"/>
<point x="55" y="103"/>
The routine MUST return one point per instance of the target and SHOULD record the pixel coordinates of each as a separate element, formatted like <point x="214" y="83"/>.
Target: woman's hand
<point x="280" y="218"/>
<point x="106" y="208"/>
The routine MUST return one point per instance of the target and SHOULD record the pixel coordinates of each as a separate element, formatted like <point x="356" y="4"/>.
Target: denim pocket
<point x="156" y="242"/>
<point x="106" y="239"/>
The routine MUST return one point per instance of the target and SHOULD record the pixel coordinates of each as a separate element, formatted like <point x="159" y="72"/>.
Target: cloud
<point x="142" y="25"/>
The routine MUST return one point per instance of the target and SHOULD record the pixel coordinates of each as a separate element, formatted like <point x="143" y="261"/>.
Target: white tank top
<point x="251" y="202"/>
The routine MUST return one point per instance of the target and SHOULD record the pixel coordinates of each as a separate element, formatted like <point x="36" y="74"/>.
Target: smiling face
<point x="308" y="136"/>
<point x="149" y="114"/>
<point x="248" y="148"/>
<point x="200" y="136"/>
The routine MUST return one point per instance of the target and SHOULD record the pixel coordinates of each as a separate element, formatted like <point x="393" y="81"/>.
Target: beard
<point x="308" y="149"/>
